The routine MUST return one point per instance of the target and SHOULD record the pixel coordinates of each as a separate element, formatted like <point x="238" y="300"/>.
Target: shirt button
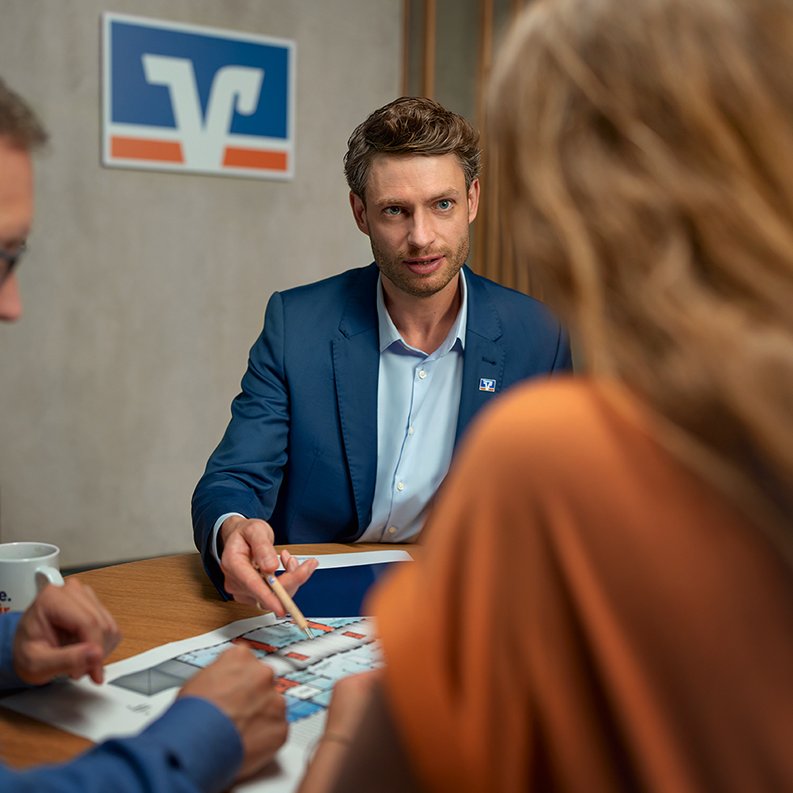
<point x="400" y="486"/>
<point x="392" y="529"/>
<point x="410" y="430"/>
<point x="422" y="374"/>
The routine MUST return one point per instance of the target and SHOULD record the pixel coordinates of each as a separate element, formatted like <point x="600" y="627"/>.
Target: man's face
<point x="416" y="214"/>
<point x="16" y="215"/>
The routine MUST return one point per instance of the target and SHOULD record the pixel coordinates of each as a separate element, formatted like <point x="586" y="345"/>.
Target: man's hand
<point x="65" y="631"/>
<point x="248" y="554"/>
<point x="242" y="687"/>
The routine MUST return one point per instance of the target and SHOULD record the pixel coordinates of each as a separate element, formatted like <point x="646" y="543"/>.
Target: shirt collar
<point x="389" y="333"/>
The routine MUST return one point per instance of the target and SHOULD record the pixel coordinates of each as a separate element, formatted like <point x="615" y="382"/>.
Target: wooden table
<point x="154" y="601"/>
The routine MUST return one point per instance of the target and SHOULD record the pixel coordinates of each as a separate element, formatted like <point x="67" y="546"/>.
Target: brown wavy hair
<point x="411" y="125"/>
<point x="645" y="152"/>
<point x="18" y="123"/>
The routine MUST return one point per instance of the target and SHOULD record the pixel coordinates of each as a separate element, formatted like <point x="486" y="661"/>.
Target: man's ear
<point x="473" y="200"/>
<point x="359" y="212"/>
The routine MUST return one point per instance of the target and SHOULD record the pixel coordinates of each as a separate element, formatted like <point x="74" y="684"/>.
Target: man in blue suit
<point x="360" y="385"/>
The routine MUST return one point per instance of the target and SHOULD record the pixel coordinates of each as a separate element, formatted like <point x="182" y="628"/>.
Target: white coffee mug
<point x="25" y="569"/>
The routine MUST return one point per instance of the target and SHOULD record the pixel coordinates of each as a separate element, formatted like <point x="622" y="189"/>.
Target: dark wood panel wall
<point x="424" y="47"/>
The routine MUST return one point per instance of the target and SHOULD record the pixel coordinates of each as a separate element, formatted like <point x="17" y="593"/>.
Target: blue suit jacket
<point x="301" y="448"/>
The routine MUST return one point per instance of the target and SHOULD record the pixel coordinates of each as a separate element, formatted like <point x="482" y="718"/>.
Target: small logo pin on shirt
<point x="487" y="384"/>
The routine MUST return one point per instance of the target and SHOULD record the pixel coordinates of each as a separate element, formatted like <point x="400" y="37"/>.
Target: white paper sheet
<point x="354" y="559"/>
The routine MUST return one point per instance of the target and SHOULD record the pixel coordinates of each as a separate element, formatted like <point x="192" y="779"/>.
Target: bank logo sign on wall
<point x="185" y="98"/>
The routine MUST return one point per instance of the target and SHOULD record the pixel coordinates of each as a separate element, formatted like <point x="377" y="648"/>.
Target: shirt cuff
<point x="216" y="530"/>
<point x="203" y="740"/>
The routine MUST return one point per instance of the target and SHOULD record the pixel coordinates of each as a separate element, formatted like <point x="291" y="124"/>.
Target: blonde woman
<point x="605" y="599"/>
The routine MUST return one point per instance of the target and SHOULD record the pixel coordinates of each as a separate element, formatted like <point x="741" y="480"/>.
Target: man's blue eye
<point x="392" y="210"/>
<point x="444" y="203"/>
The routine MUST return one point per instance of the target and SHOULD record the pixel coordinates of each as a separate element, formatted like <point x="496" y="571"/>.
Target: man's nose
<point x="10" y="299"/>
<point x="422" y="230"/>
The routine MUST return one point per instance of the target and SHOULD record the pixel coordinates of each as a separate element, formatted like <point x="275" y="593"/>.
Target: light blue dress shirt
<point x="418" y="399"/>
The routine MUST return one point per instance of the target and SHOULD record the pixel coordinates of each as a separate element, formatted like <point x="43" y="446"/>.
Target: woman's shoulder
<point x="567" y="433"/>
<point x="572" y="409"/>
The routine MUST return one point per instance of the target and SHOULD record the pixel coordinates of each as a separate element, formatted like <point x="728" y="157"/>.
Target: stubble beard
<point x="391" y="267"/>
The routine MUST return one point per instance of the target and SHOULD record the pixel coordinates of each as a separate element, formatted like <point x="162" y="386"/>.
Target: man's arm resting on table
<point x="192" y="748"/>
<point x="226" y="724"/>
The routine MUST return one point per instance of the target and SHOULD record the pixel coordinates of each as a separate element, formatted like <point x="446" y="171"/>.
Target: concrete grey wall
<point x="143" y="290"/>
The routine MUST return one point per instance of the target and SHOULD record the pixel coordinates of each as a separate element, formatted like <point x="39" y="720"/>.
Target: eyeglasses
<point x="9" y="259"/>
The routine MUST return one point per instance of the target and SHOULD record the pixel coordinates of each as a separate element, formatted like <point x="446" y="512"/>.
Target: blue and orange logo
<point x="183" y="98"/>
<point x="487" y="384"/>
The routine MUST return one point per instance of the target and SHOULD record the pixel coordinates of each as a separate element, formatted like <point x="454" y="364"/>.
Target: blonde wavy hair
<point x="644" y="154"/>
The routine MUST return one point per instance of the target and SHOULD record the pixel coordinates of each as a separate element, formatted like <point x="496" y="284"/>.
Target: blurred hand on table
<point x="65" y="631"/>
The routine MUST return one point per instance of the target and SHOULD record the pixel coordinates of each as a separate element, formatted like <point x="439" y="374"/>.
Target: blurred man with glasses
<point x="20" y="133"/>
<point x="228" y="720"/>
<point x="9" y="259"/>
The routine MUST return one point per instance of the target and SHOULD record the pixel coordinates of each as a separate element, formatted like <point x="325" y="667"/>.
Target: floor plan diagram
<point x="306" y="669"/>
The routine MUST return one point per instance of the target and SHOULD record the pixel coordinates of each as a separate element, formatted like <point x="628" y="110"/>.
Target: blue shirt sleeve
<point x="8" y="629"/>
<point x="193" y="748"/>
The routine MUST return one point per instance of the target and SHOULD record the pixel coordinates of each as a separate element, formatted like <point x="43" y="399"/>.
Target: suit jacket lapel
<point x="356" y="358"/>
<point x="483" y="357"/>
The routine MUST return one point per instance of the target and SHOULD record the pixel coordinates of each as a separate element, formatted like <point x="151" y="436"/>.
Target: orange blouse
<point x="588" y="615"/>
